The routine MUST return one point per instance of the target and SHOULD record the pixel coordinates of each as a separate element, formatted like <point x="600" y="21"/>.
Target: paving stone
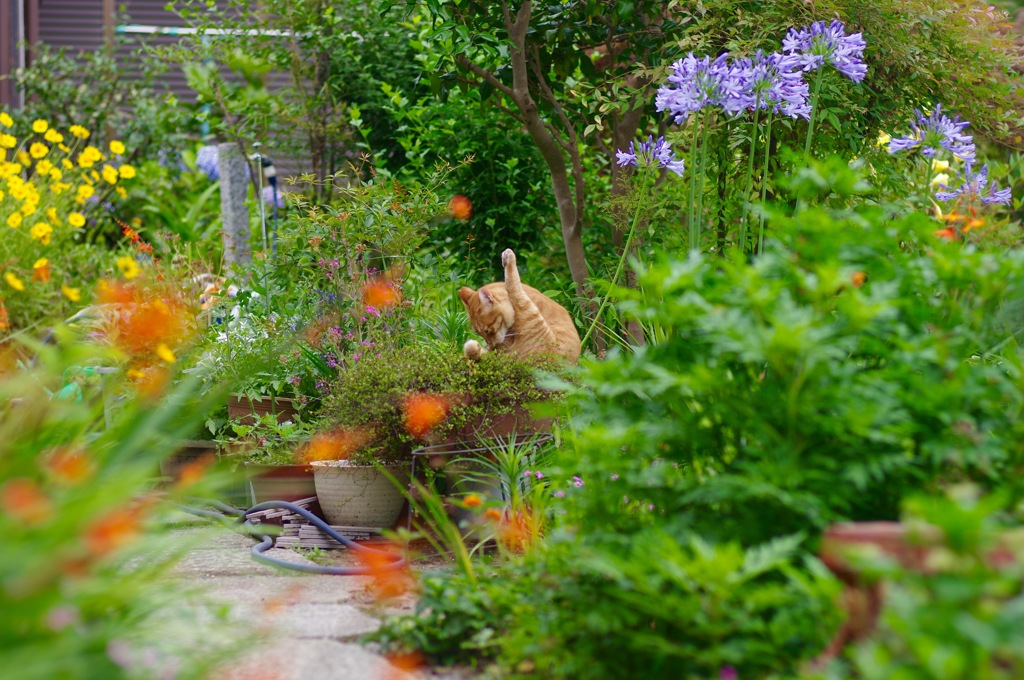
<point x="313" y="659"/>
<point x="274" y="590"/>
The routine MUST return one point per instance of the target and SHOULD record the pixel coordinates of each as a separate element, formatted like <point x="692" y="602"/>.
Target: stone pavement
<point x="303" y="626"/>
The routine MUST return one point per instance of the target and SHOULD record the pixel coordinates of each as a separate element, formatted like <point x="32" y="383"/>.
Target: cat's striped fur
<point x="518" y="318"/>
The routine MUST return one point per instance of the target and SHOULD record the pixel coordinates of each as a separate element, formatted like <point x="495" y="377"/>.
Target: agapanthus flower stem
<point x="814" y="113"/>
<point x="700" y="178"/>
<point x="641" y="196"/>
<point x="691" y="219"/>
<point x="764" y="181"/>
<point x="750" y="180"/>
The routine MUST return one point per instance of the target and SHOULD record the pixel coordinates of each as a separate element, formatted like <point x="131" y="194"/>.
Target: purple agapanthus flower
<point x="936" y="132"/>
<point x="695" y="83"/>
<point x="973" y="188"/>
<point x="809" y="48"/>
<point x="206" y="161"/>
<point x="773" y="83"/>
<point x="651" y="154"/>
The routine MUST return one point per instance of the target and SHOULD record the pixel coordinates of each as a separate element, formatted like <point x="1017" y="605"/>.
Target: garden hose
<point x="226" y="512"/>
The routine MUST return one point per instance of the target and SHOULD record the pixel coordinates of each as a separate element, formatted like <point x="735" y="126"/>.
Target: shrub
<point x="372" y="392"/>
<point x="54" y="188"/>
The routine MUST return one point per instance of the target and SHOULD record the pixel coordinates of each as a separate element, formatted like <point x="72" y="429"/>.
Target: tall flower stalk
<point x="650" y="157"/>
<point x="692" y="87"/>
<point x="808" y="49"/>
<point x="772" y="83"/>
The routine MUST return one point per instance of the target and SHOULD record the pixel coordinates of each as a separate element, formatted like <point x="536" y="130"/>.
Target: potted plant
<point x="266" y="450"/>
<point x="402" y="398"/>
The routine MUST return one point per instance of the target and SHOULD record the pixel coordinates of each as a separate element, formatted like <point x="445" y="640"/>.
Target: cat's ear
<point x="466" y="294"/>
<point x="485" y="298"/>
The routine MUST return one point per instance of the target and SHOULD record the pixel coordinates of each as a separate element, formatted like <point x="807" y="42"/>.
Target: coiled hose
<point x="226" y="512"/>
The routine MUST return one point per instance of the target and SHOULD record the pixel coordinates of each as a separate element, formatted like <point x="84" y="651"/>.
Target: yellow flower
<point x="79" y="131"/>
<point x="1" y="195"/>
<point x="128" y="267"/>
<point x="23" y="158"/>
<point x="68" y="165"/>
<point x="109" y="174"/>
<point x="64" y="147"/>
<point x="76" y="219"/>
<point x="89" y="156"/>
<point x="44" y="166"/>
<point x="121" y="192"/>
<point x="73" y="294"/>
<point x="40" y="263"/>
<point x="94" y="176"/>
<point x="51" y="214"/>
<point x="14" y="220"/>
<point x="56" y="175"/>
<point x="165" y="353"/>
<point x="41" y="231"/>
<point x="940" y="166"/>
<point x="13" y="281"/>
<point x="40" y="126"/>
<point x="8" y="141"/>
<point x="5" y="119"/>
<point x="941" y="178"/>
<point x="116" y="147"/>
<point x="883" y="139"/>
<point x="38" y="150"/>
<point x="126" y="171"/>
<point x="53" y="137"/>
<point x="60" y="187"/>
<point x="84" y="193"/>
<point x="28" y="209"/>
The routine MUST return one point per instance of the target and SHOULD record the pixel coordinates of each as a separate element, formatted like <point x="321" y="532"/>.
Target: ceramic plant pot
<point x="359" y="495"/>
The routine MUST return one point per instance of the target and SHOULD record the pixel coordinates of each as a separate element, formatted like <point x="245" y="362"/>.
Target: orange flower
<point x="948" y="234"/>
<point x="472" y="501"/>
<point x="858" y="279"/>
<point x="114" y="530"/>
<point x="194" y="471"/>
<point x="388" y="582"/>
<point x="493" y="514"/>
<point x="518" y="530"/>
<point x="424" y="412"/>
<point x="116" y="293"/>
<point x="403" y="663"/>
<point x="335" y="445"/>
<point x="5" y="321"/>
<point x="22" y="499"/>
<point x="68" y="466"/>
<point x="460" y="207"/>
<point x="41" y="270"/>
<point x="380" y="293"/>
<point x="150" y="380"/>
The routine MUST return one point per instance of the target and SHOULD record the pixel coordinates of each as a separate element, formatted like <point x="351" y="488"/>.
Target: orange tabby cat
<point x="517" y="317"/>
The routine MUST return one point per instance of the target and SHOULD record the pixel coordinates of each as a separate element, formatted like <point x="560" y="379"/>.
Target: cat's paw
<point x="472" y="350"/>
<point x="508" y="259"/>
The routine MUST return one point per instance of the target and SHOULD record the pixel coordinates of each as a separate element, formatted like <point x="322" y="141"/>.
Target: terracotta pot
<point x="245" y="410"/>
<point x="359" y="495"/>
<point x="488" y="425"/>
<point x="279" y="482"/>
